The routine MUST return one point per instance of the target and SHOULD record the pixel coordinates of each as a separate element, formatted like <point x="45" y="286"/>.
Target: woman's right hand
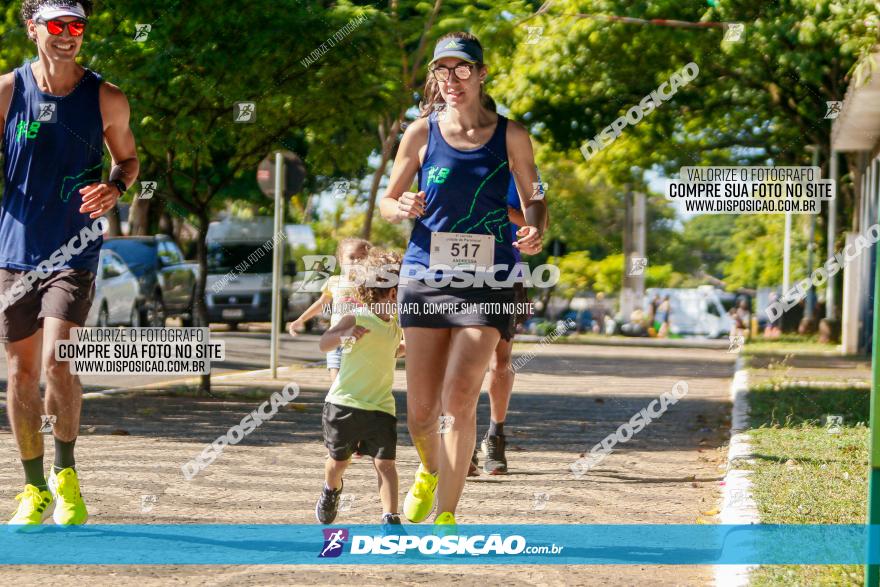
<point x="410" y="205"/>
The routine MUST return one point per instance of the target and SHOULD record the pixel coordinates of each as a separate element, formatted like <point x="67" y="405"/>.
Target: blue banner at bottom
<point x="197" y="544"/>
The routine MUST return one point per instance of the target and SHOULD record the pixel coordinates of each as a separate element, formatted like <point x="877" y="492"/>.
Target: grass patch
<point x="806" y="472"/>
<point x="778" y="405"/>
<point x="789" y="344"/>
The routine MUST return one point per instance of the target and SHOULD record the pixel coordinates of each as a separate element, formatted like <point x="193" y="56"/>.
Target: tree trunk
<point x="166" y="224"/>
<point x="115" y="228"/>
<point x="139" y="217"/>
<point x="390" y="138"/>
<point x="200" y="310"/>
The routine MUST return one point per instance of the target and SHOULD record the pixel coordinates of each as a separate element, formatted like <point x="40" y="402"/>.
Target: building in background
<point x="857" y="130"/>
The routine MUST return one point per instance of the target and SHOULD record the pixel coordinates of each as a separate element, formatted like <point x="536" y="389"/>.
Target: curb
<point x="634" y="341"/>
<point x="738" y="507"/>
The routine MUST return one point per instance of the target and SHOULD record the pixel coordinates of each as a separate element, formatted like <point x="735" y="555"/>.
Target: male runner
<point x="56" y="117"/>
<point x="501" y="371"/>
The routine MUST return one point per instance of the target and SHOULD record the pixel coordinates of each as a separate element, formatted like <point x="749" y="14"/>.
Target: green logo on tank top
<point x="494" y="222"/>
<point x="71" y="183"/>
<point x="26" y="129"/>
<point x="437" y="174"/>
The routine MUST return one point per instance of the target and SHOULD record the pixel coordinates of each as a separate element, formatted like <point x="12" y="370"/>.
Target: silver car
<point x="117" y="295"/>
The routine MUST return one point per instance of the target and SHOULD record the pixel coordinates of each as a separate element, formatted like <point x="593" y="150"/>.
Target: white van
<point x="696" y="312"/>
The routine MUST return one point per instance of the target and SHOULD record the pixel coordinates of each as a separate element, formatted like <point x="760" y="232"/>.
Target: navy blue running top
<point x="466" y="192"/>
<point x="52" y="147"/>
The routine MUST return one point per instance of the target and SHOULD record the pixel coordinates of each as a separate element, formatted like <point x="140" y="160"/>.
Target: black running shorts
<point x="369" y="432"/>
<point x="422" y="305"/>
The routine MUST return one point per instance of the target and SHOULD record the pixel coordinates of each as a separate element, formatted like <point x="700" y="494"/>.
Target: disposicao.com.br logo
<point x="477" y="545"/>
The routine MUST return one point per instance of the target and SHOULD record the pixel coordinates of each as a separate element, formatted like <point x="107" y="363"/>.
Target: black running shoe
<point x="473" y="467"/>
<point x="328" y="505"/>
<point x="496" y="461"/>
<point x="392" y="526"/>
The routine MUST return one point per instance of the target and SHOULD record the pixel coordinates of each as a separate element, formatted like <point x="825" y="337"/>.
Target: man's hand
<point x="530" y="240"/>
<point x="98" y="198"/>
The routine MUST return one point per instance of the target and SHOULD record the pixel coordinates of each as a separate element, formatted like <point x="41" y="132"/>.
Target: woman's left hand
<point x="530" y="240"/>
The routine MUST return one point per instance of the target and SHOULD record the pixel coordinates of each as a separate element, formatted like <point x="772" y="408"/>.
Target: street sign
<point x="294" y="172"/>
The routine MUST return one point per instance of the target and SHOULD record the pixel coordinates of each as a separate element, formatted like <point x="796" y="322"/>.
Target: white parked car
<point x="117" y="295"/>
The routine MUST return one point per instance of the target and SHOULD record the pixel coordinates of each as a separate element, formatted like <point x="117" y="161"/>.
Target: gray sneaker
<point x="328" y="505"/>
<point x="496" y="461"/>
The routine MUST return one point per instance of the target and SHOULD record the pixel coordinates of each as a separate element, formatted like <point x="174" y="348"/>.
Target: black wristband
<point x="120" y="185"/>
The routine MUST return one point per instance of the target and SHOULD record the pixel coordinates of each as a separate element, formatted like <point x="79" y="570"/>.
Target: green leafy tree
<point x="199" y="60"/>
<point x="710" y="238"/>
<point x="760" y="263"/>
<point x="576" y="273"/>
<point x="756" y="102"/>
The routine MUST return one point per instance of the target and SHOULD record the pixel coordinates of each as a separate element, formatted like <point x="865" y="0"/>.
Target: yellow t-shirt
<point x="344" y="294"/>
<point x="367" y="372"/>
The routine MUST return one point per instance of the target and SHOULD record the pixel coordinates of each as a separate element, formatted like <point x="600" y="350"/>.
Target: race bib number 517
<point x="462" y="250"/>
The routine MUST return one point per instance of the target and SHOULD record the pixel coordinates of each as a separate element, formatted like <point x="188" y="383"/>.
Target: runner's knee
<point x="385" y="466"/>
<point x="59" y="372"/>
<point x="21" y="377"/>
<point x="460" y="396"/>
<point x="501" y="360"/>
<point x="421" y="417"/>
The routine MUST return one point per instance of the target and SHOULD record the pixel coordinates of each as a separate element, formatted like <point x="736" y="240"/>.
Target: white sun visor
<point x="51" y="11"/>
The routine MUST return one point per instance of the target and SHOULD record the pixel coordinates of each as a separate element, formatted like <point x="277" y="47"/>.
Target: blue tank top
<point x="53" y="146"/>
<point x="466" y="192"/>
<point x="513" y="202"/>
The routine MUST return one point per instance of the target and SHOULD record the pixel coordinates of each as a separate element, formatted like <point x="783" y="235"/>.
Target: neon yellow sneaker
<point x="70" y="509"/>
<point x="444" y="525"/>
<point x="419" y="502"/>
<point x="34" y="506"/>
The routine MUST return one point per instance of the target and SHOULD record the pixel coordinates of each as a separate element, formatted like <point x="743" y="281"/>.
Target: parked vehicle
<point x="167" y="282"/>
<point x="117" y="294"/>
<point x="239" y="284"/>
<point x="700" y="311"/>
<point x="583" y="320"/>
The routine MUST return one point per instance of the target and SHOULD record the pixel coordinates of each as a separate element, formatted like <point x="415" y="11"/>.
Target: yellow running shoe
<point x="34" y="506"/>
<point x="444" y="525"/>
<point x="70" y="509"/>
<point x="419" y="502"/>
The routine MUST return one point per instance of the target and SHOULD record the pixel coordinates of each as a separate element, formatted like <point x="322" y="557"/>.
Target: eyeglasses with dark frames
<point x="462" y="71"/>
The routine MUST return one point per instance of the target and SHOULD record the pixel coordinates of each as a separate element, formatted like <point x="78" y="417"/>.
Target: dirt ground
<point x="565" y="400"/>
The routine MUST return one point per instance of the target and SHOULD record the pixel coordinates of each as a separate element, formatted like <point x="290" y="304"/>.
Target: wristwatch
<point x="120" y="185"/>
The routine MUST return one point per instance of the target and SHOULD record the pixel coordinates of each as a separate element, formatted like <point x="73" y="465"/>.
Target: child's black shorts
<point x="372" y="433"/>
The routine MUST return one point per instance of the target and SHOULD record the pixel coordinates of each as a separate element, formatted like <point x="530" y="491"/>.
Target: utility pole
<point x="786" y="255"/>
<point x="634" y="240"/>
<point x="830" y="301"/>
<point x="809" y="309"/>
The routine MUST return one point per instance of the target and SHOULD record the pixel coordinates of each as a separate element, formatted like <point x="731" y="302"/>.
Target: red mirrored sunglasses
<point x="56" y="27"/>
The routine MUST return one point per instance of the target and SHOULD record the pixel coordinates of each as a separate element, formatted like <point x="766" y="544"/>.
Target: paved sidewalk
<point x="565" y="400"/>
